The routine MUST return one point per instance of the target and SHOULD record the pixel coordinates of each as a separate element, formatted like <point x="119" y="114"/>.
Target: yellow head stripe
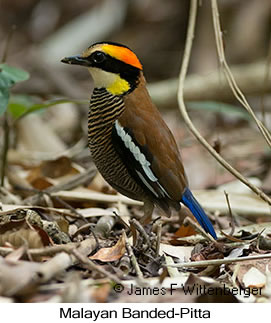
<point x="123" y="54"/>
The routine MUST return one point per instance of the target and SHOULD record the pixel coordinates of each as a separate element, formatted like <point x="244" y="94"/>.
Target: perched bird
<point x="130" y="143"/>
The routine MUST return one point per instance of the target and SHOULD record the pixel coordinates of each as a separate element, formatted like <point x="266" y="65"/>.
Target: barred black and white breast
<point x="104" y="111"/>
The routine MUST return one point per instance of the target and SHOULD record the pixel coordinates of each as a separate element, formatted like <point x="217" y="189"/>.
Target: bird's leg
<point x="148" y="209"/>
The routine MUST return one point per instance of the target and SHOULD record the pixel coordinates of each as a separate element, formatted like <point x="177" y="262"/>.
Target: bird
<point x="130" y="143"/>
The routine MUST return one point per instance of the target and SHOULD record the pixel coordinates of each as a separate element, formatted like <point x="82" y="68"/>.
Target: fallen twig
<point x="199" y="229"/>
<point x="133" y="259"/>
<point x="87" y="195"/>
<point x="54" y="266"/>
<point x="266" y="80"/>
<point x="65" y="259"/>
<point x="142" y="231"/>
<point x="73" y="182"/>
<point x="158" y="239"/>
<point x="217" y="262"/>
<point x="92" y="266"/>
<point x="40" y="252"/>
<point x="230" y="213"/>
<point x="104" y="225"/>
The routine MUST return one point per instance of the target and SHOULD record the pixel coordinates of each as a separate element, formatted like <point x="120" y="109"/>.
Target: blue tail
<point x="189" y="200"/>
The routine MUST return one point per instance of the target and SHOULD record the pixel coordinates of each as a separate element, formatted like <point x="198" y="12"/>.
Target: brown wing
<point x="151" y="133"/>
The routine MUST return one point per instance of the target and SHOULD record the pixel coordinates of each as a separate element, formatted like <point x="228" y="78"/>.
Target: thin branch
<point x="266" y="80"/>
<point x="133" y="259"/>
<point x="213" y="86"/>
<point x="142" y="231"/>
<point x="6" y="48"/>
<point x="6" y="117"/>
<point x="158" y="239"/>
<point x="40" y="252"/>
<point x="198" y="228"/>
<point x="92" y="266"/>
<point x="230" y="213"/>
<point x="71" y="183"/>
<point x="232" y="83"/>
<point x="182" y="107"/>
<point x="218" y="262"/>
<point x="5" y="148"/>
<point x="87" y="195"/>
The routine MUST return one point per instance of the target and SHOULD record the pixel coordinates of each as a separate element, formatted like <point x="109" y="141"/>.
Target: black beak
<point x="76" y="60"/>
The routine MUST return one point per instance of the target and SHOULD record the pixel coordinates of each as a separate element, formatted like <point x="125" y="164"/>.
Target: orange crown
<point x="123" y="54"/>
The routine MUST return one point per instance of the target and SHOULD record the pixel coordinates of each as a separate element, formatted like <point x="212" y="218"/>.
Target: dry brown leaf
<point x="50" y="172"/>
<point x="134" y="233"/>
<point x="22" y="236"/>
<point x="63" y="224"/>
<point x="56" y="168"/>
<point x="41" y="183"/>
<point x="18" y="232"/>
<point x="261" y="265"/>
<point x="26" y="226"/>
<point x="182" y="253"/>
<point x="111" y="254"/>
<point x="211" y="251"/>
<point x="101" y="293"/>
<point x="254" y="278"/>
<point x="185" y="231"/>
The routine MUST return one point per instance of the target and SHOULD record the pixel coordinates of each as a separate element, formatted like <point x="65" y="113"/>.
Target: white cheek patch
<point x="102" y="78"/>
<point x="140" y="157"/>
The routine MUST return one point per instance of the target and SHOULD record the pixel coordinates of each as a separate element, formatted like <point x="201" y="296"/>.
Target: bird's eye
<point x="98" y="57"/>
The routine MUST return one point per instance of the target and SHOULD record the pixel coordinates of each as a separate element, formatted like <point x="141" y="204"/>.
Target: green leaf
<point x="38" y="107"/>
<point x="16" y="109"/>
<point x="13" y="74"/>
<point x="5" y="83"/>
<point x="4" y="96"/>
<point x="19" y="104"/>
<point x="8" y="77"/>
<point x="220" y="107"/>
